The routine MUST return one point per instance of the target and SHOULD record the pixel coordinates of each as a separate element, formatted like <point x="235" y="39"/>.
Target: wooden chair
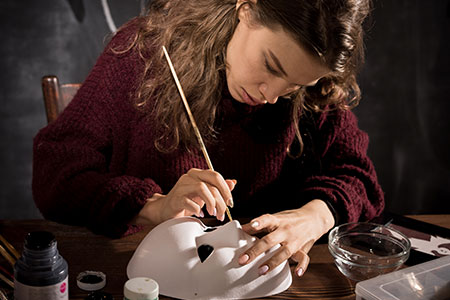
<point x="56" y="96"/>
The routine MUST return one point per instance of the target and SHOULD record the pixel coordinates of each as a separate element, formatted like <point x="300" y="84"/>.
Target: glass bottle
<point x="41" y="272"/>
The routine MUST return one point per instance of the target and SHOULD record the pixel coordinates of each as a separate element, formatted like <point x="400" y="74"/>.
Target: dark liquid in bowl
<point x="371" y="244"/>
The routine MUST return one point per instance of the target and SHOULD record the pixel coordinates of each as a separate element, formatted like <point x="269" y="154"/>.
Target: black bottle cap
<point x="39" y="240"/>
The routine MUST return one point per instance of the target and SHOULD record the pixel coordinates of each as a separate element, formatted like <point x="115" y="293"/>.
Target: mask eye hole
<point x="204" y="251"/>
<point x="209" y="229"/>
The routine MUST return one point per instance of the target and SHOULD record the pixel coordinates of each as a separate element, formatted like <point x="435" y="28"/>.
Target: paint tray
<point x="429" y="280"/>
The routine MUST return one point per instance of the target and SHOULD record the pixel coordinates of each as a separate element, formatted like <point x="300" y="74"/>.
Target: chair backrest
<point x="56" y="96"/>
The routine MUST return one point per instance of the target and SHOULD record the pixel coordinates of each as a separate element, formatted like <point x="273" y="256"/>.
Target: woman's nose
<point x="269" y="95"/>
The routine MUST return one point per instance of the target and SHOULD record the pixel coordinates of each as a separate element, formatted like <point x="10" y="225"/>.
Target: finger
<point x="308" y="245"/>
<point x="192" y="207"/>
<point x="280" y="256"/>
<point x="196" y="191"/>
<point x="200" y="203"/>
<point x="249" y="229"/>
<point x="265" y="222"/>
<point x="203" y="191"/>
<point x="260" y="247"/>
<point x="231" y="183"/>
<point x="302" y="259"/>
<point x="214" y="178"/>
<point x="219" y="210"/>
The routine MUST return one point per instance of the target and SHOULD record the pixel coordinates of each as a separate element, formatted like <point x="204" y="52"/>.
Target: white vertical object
<point x="109" y="19"/>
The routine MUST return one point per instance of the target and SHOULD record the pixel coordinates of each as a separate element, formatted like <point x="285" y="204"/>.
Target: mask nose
<point x="228" y="235"/>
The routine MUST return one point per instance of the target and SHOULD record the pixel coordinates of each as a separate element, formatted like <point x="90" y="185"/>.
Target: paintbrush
<point x="7" y="256"/>
<point x="191" y="117"/>
<point x="9" y="247"/>
<point x="6" y="280"/>
<point x="3" y="295"/>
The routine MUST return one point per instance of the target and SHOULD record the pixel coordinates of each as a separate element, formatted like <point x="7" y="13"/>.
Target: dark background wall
<point x="405" y="84"/>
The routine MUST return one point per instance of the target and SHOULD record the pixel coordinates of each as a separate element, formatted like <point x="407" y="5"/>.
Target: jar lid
<point x="141" y="288"/>
<point x="91" y="280"/>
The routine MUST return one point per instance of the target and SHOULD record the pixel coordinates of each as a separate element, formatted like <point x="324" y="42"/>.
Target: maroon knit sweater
<point x="96" y="165"/>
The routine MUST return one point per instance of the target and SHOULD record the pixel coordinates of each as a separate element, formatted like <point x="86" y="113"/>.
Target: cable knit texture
<point x="96" y="165"/>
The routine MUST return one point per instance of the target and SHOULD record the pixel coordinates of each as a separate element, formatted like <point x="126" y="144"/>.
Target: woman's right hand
<point x="192" y="191"/>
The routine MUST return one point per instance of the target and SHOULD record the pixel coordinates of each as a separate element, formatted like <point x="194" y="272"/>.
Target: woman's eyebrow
<point x="277" y="63"/>
<point x="280" y="67"/>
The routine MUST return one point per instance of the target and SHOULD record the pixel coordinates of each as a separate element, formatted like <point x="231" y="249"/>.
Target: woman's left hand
<point x="296" y="230"/>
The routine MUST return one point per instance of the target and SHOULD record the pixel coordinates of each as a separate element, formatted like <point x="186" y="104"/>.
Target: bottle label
<point x="59" y="291"/>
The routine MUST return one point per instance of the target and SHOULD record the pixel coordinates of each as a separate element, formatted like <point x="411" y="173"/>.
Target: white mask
<point x="172" y="254"/>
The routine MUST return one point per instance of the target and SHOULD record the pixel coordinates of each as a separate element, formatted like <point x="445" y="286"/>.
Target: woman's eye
<point x="269" y="68"/>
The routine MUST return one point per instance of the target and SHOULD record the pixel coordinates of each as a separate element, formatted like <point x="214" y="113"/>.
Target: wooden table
<point x="84" y="250"/>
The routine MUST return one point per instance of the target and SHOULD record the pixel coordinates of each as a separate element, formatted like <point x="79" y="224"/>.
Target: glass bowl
<point x="365" y="250"/>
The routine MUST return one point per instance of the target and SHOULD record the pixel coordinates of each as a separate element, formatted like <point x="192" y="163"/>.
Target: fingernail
<point x="255" y="224"/>
<point x="243" y="259"/>
<point x="215" y="212"/>
<point x="299" y="272"/>
<point x="231" y="202"/>
<point x="202" y="215"/>
<point x="263" y="270"/>
<point x="222" y="217"/>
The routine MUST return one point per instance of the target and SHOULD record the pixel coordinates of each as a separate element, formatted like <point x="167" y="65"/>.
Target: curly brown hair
<point x="196" y="34"/>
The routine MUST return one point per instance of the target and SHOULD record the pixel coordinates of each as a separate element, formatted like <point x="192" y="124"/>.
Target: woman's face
<point x="264" y="64"/>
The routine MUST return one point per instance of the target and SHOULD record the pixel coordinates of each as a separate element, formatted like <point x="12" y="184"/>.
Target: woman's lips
<point x="250" y="100"/>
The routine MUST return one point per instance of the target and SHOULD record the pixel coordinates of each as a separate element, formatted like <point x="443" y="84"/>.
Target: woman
<point x="270" y="84"/>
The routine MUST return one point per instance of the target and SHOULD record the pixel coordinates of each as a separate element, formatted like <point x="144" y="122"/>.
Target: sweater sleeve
<point x="78" y="160"/>
<point x="343" y="175"/>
